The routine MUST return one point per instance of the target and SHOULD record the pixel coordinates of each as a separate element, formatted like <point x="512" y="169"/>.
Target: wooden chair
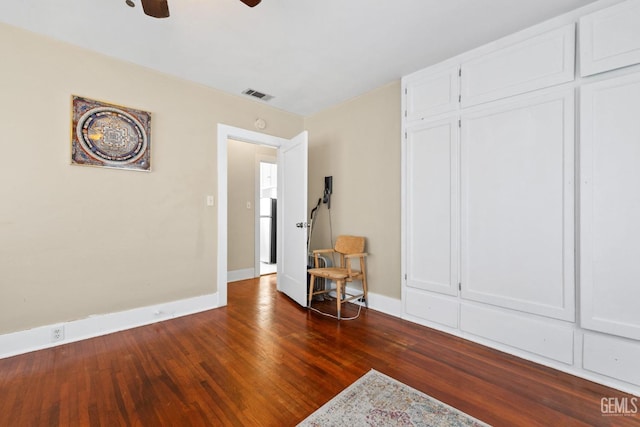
<point x="349" y="248"/>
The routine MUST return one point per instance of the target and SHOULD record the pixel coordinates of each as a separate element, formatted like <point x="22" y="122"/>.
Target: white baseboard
<point x="385" y="304"/>
<point x="41" y="337"/>
<point x="244" y="274"/>
<point x="382" y="303"/>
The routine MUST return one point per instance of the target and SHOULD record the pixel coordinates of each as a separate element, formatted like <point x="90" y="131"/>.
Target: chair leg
<point x="311" y="285"/>
<point x="364" y="283"/>
<point x="338" y="296"/>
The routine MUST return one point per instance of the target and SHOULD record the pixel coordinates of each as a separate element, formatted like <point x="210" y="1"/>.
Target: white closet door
<point x="431" y="92"/>
<point x="432" y="207"/>
<point x="610" y="38"/>
<point x="517" y="204"/>
<point x="535" y="63"/>
<point x="610" y="206"/>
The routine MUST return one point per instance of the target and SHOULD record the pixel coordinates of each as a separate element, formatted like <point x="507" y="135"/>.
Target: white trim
<point x="244" y="274"/>
<point x="93" y="326"/>
<point x="385" y="304"/>
<point x="381" y="303"/>
<point x="225" y="133"/>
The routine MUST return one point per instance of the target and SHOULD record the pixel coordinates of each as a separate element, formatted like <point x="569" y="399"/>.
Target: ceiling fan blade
<point x="156" y="8"/>
<point x="251" y="3"/>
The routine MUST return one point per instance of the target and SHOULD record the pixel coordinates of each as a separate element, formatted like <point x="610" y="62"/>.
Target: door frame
<point x="226" y="132"/>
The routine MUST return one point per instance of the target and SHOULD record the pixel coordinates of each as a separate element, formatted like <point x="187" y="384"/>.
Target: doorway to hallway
<point x="267" y="176"/>
<point x="292" y="205"/>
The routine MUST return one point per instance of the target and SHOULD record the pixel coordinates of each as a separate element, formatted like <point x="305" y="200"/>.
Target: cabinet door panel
<point x="613" y="357"/>
<point x="432" y="308"/>
<point x="517" y="205"/>
<point x="432" y="224"/>
<point x="430" y="93"/>
<point x="539" y="62"/>
<point x="535" y="335"/>
<point x="610" y="38"/>
<point x="610" y="206"/>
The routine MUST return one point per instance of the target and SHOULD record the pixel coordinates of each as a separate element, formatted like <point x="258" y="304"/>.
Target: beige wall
<point x="76" y="241"/>
<point x="242" y="170"/>
<point x="358" y="143"/>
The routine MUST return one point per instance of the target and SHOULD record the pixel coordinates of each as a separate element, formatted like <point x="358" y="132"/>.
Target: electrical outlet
<point x="57" y="334"/>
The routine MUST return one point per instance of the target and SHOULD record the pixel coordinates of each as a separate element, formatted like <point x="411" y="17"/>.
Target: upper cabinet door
<point x="610" y="38"/>
<point x="541" y="61"/>
<point x="431" y="92"/>
<point x="610" y="206"/>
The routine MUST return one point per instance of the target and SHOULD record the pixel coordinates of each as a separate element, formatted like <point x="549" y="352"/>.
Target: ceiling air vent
<point x="256" y="94"/>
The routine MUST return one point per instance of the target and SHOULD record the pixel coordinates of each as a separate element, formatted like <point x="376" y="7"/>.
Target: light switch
<point x="210" y="201"/>
<point x="248" y="205"/>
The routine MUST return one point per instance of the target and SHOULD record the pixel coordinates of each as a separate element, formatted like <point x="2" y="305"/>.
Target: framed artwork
<point x="109" y="135"/>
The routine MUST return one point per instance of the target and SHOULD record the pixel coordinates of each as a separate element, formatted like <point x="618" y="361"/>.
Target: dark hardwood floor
<point x="264" y="361"/>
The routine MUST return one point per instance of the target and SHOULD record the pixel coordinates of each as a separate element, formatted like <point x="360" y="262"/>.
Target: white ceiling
<point x="308" y="54"/>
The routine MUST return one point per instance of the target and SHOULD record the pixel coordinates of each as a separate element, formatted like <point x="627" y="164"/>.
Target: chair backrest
<point x="349" y="245"/>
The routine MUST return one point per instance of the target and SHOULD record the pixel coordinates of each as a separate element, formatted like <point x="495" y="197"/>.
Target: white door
<point x="432" y="206"/>
<point x="292" y="218"/>
<point x="610" y="206"/>
<point x="537" y="62"/>
<point x="610" y="38"/>
<point x="431" y="93"/>
<point x="517" y="204"/>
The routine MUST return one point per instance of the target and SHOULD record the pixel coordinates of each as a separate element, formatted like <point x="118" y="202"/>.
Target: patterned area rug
<point x="379" y="400"/>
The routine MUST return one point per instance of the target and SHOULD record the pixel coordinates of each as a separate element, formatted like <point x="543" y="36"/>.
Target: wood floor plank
<point x="264" y="361"/>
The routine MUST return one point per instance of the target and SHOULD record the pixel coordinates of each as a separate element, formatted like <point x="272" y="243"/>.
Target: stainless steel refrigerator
<point x="268" y="230"/>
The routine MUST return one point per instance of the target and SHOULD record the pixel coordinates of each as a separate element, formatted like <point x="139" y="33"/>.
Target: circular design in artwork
<point x="111" y="136"/>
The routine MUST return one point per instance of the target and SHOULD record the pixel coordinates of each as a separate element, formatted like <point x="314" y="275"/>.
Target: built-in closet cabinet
<point x="489" y="185"/>
<point x="519" y="232"/>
